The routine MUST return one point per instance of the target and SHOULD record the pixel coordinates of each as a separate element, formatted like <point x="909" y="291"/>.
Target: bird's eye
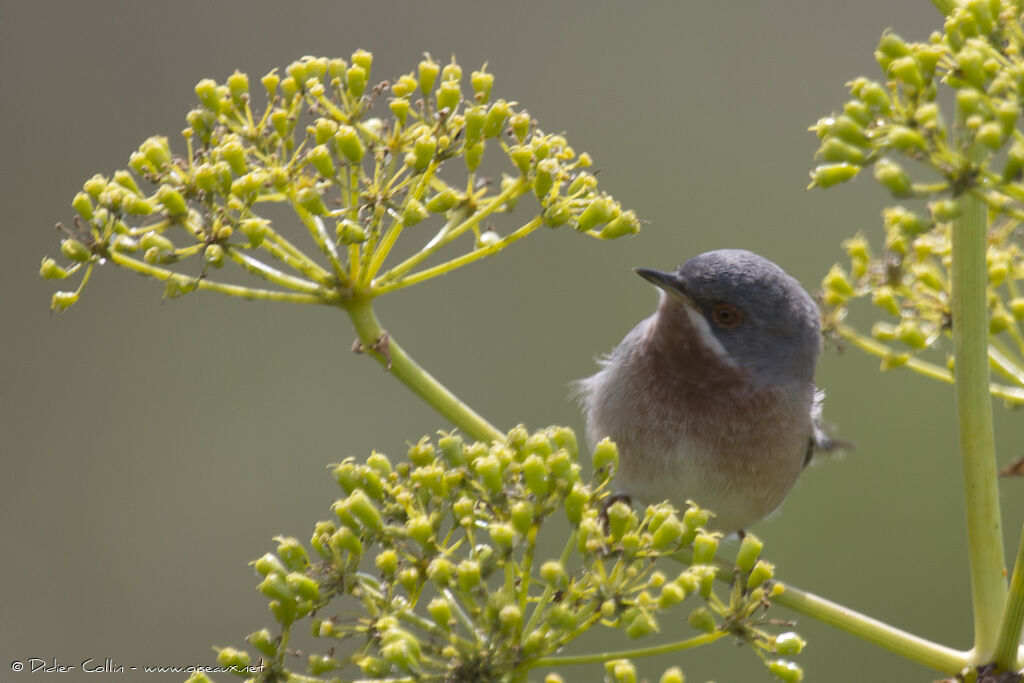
<point x="727" y="315"/>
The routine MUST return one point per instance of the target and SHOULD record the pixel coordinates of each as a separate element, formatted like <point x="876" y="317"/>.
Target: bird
<point x="712" y="398"/>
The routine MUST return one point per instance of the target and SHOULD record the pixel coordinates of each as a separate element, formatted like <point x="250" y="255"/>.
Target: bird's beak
<point x="667" y="282"/>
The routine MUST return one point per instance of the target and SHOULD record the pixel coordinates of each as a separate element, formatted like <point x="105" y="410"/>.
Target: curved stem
<point x="974" y="413"/>
<point x="903" y="643"/>
<point x="687" y="644"/>
<point x="1012" y="622"/>
<point x="389" y="354"/>
<point x="908" y="645"/>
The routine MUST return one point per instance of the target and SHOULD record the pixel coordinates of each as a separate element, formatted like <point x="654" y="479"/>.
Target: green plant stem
<point x="163" y="275"/>
<point x="974" y="413"/>
<point x="696" y="641"/>
<point x="912" y="647"/>
<point x="876" y="348"/>
<point x="907" y="645"/>
<point x="405" y="369"/>
<point x="1012" y="623"/>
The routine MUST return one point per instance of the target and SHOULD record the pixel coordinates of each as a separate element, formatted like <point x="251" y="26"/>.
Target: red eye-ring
<point x="727" y="315"/>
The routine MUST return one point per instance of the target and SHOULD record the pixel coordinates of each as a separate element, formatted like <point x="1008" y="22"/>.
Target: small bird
<point x="712" y="398"/>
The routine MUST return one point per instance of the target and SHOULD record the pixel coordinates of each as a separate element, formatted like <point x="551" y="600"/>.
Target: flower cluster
<point x="355" y="180"/>
<point x="898" y="125"/>
<point x="441" y="551"/>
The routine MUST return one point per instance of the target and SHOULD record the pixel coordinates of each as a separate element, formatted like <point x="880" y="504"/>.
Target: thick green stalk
<point x="375" y="341"/>
<point x="917" y="649"/>
<point x="974" y="414"/>
<point x="1012" y="622"/>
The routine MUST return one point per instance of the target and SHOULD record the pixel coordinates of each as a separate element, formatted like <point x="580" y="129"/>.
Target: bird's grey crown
<point x="780" y="337"/>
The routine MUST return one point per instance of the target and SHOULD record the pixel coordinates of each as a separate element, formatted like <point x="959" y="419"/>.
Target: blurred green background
<point x="151" y="449"/>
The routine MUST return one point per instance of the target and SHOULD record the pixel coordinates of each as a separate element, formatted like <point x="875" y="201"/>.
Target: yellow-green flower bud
<point x="521" y="156"/>
<point x="495" y="119"/>
<point x="440" y="571"/>
<point x="892" y="176"/>
<point x="904" y="138"/>
<point x="320" y="157"/>
<point x="786" y="671"/>
<point x="409" y="579"/>
<point x="364" y="510"/>
<point x="488" y="472"/>
<point x="153" y="239"/>
<point x="452" y="449"/>
<point x="428" y="70"/>
<point x="274" y="586"/>
<point x="999" y="321"/>
<point x="214" y="255"/>
<point x="414" y="212"/>
<point x="599" y="211"/>
<point x="671" y="594"/>
<point x="349" y="143"/>
<point x="50" y="270"/>
<point x="448" y="95"/>
<point x="702" y="620"/>
<point x="606" y="457"/>
<point x="255" y="229"/>
<point x="423" y="151"/>
<point x="363" y="58"/>
<point x="344" y="539"/>
<point x="557" y="214"/>
<point x="872" y="94"/>
<point x="575" y="501"/>
<point x="386" y="562"/>
<point x="510" y="617"/>
<point x="835" y="150"/>
<point x="672" y="675"/>
<point x="401" y="649"/>
<point x="229" y="657"/>
<point x="1016" y="306"/>
<point x="95" y="186"/>
<point x="620" y="519"/>
<point x="171" y="200"/>
<point x="355" y="80"/>
<point x="911" y="334"/>
<point x="292" y="553"/>
<point x="891" y="46"/>
<point x="503" y="535"/>
<point x="482" y="83"/>
<point x="442" y="201"/>
<point x="562" y="618"/>
<point x="762" y="571"/>
<point x="544" y="180"/>
<point x="138" y="206"/>
<point x="522" y="515"/>
<point x="374" y="667"/>
<point x="859" y="112"/>
<point x="704" y="547"/>
<point x="944" y="210"/>
<point x="837" y="282"/>
<point x="625" y="224"/>
<point x="74" y="250"/>
<point x="309" y="199"/>
<point x="641" y="625"/>
<point x="269" y="563"/>
<point x="907" y="71"/>
<point x="157" y="150"/>
<point x="554" y="574"/>
<point x="474" y="155"/>
<point x="263" y="641"/>
<point x="668" y="533"/>
<point x="990" y="134"/>
<point x="561" y="467"/>
<point x="420" y="530"/>
<point x="62" y="300"/>
<point x="535" y="475"/>
<point x="206" y="90"/>
<point x="303" y="586"/>
<point x="468" y="573"/>
<point x="621" y="670"/>
<point x="440" y="611"/>
<point x="884" y="298"/>
<point x="971" y="67"/>
<point x="827" y="175"/>
<point x="750" y="548"/>
<point x="399" y="106"/>
<point x="788" y="643"/>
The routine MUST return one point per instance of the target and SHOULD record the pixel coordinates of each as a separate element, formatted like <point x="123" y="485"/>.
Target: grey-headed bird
<point x="712" y="398"/>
